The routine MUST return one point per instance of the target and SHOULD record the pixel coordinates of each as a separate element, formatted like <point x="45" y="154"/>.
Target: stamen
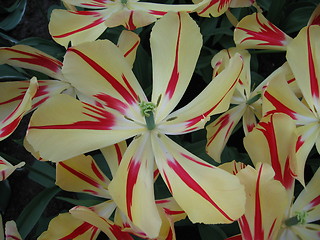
<point x="300" y="218"/>
<point x="147" y="111"/>
<point x="254" y="99"/>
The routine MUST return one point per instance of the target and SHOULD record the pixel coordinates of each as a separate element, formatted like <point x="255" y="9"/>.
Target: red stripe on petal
<point x="84" y="227"/>
<point x="245" y="228"/>
<point x="314" y="84"/>
<point x="105" y="121"/>
<point x="271" y="229"/>
<point x="129" y="97"/>
<point x="119" y="154"/>
<point x="222" y="4"/>
<point x="80" y="175"/>
<point x="157" y="13"/>
<point x="299" y="143"/>
<point x="112" y="102"/>
<point x="258" y="230"/>
<point x="190" y="182"/>
<point x="133" y="170"/>
<point x="97" y="172"/>
<point x="194" y="160"/>
<point x="130" y="25"/>
<point x="162" y="201"/>
<point x="269" y="34"/>
<point x="315" y="202"/>
<point x="91" y="25"/>
<point x="223" y="121"/>
<point x="171" y="212"/>
<point x="135" y="45"/>
<point x="175" y="74"/>
<point x="12" y="237"/>
<point x="37" y="59"/>
<point x="8" y="129"/>
<point x="167" y="181"/>
<point x="280" y="107"/>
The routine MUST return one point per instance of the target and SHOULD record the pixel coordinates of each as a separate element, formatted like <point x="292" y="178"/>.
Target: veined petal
<point x="31" y="58"/>
<point x="12" y="109"/>
<point x="272" y="142"/>
<point x="107" y="226"/>
<point x="214" y="8"/>
<point x="265" y="203"/>
<point x="11" y="231"/>
<point x="112" y="82"/>
<point x="219" y="131"/>
<point x="307" y="136"/>
<point x="194" y="115"/>
<point x="65" y="226"/>
<point x="132" y="186"/>
<point x="66" y="120"/>
<point x="7" y="168"/>
<point x="128" y="43"/>
<point x="204" y="192"/>
<point x="279" y="97"/>
<point x="233" y="167"/>
<point x="113" y="155"/>
<point x="255" y="31"/>
<point x="303" y="57"/>
<point x="83" y="26"/>
<point x="249" y="120"/>
<point x="82" y="174"/>
<point x="130" y="19"/>
<point x="174" y="58"/>
<point x="309" y="200"/>
<point x="309" y="231"/>
<point x="315" y="17"/>
<point x="91" y="4"/>
<point x="170" y="213"/>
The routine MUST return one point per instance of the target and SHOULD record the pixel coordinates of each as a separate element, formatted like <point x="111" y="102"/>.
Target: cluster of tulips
<point x="92" y="100"/>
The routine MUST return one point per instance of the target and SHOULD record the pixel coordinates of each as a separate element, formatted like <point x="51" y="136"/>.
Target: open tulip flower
<point x="122" y="111"/>
<point x="247" y="104"/>
<point x="303" y="58"/>
<point x="82" y="174"/>
<point x="18" y="98"/>
<point x="88" y="25"/>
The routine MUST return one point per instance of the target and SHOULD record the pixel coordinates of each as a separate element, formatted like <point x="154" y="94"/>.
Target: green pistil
<point x="254" y="99"/>
<point x="124" y="2"/>
<point x="300" y="218"/>
<point x="147" y="111"/>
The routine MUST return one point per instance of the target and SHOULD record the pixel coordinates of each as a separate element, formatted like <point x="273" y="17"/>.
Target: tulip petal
<point x="132" y="186"/>
<point x="93" y="218"/>
<point x="272" y="142"/>
<point x="65" y="226"/>
<point x="194" y="115"/>
<point x="278" y="97"/>
<point x="315" y="17"/>
<point x="11" y="231"/>
<point x="12" y="109"/>
<point x="6" y="168"/>
<point x="198" y="187"/>
<point x="303" y="57"/>
<point x="130" y="19"/>
<point x="214" y="8"/>
<point x="81" y="174"/>
<point x="128" y="43"/>
<point x="113" y="155"/>
<point x="174" y="48"/>
<point x="66" y="120"/>
<point x="31" y="58"/>
<point x="265" y="204"/>
<point x="309" y="199"/>
<point x="83" y="26"/>
<point x="255" y="31"/>
<point x="219" y="131"/>
<point x="112" y="82"/>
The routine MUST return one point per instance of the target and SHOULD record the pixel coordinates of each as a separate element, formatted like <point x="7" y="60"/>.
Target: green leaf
<point x="37" y="174"/>
<point x="275" y="11"/>
<point x="14" y="15"/>
<point x="297" y="19"/>
<point x="9" y="73"/>
<point x="82" y="202"/>
<point x="33" y="211"/>
<point x="209" y="232"/>
<point x="5" y="191"/>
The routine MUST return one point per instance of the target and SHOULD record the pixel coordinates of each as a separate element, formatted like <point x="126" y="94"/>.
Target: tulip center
<point x="299" y="218"/>
<point x="147" y="111"/>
